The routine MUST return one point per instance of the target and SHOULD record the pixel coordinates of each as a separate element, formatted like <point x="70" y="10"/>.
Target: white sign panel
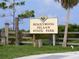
<point x="48" y="26"/>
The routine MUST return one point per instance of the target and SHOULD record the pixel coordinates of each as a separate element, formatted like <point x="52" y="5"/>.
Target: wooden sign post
<point x="53" y="39"/>
<point x="34" y="43"/>
<point x="6" y="32"/>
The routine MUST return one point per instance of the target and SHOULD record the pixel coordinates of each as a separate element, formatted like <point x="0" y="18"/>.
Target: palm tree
<point x="26" y="14"/>
<point x="68" y="5"/>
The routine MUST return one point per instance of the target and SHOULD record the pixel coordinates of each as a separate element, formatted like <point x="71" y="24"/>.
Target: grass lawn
<point x="12" y="51"/>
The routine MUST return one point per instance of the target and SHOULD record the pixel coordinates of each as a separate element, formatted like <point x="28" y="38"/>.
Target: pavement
<point x="66" y="55"/>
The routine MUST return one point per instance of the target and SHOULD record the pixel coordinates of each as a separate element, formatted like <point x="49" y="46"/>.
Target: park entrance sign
<point x="43" y="26"/>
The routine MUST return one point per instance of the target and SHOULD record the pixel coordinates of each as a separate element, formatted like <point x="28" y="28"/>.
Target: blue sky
<point x="48" y="8"/>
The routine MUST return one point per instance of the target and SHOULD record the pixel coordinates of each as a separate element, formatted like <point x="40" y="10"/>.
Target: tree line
<point x="71" y="28"/>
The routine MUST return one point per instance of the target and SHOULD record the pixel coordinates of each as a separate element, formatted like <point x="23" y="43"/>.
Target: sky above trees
<point x="48" y="8"/>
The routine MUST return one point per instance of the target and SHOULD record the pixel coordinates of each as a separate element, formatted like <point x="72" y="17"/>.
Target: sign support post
<point x="53" y="36"/>
<point x="6" y="32"/>
<point x="34" y="41"/>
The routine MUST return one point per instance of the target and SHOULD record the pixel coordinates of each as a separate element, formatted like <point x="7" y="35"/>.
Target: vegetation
<point x="11" y="7"/>
<point x="71" y="28"/>
<point x="10" y="52"/>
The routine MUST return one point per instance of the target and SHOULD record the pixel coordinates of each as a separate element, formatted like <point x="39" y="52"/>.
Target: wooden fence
<point x="26" y="37"/>
<point x="8" y="36"/>
<point x="70" y="40"/>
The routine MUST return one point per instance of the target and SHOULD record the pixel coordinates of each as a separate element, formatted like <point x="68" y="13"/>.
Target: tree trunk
<point x="14" y="15"/>
<point x="17" y="29"/>
<point x="66" y="29"/>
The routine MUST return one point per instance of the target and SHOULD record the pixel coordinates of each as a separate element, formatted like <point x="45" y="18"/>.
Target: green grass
<point x="12" y="51"/>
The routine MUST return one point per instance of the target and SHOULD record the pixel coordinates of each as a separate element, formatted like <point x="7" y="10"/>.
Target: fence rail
<point x="69" y="38"/>
<point x="69" y="43"/>
<point x="27" y="35"/>
<point x="70" y="32"/>
<point x="73" y="40"/>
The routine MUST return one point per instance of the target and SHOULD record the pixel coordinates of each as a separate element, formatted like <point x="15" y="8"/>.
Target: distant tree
<point x="61" y="28"/>
<point x="11" y="6"/>
<point x="71" y="28"/>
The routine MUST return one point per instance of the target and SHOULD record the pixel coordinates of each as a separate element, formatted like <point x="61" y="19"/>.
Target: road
<point x="67" y="55"/>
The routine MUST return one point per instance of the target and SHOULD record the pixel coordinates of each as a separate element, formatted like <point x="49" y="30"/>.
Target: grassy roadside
<point x="12" y="51"/>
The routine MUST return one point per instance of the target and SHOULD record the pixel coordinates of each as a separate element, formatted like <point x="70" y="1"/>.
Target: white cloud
<point x="52" y="3"/>
<point x="48" y="2"/>
<point x="50" y="15"/>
